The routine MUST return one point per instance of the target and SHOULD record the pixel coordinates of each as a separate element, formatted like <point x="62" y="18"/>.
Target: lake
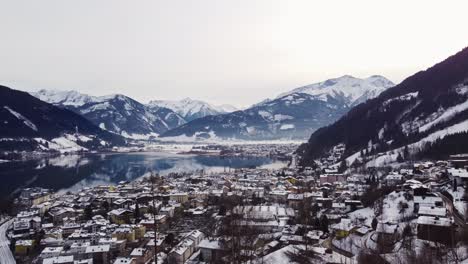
<point x="73" y="172"/>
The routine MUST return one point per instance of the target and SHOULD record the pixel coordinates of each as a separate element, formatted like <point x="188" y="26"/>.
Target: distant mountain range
<point x="116" y="113"/>
<point x="295" y="114"/>
<point x="292" y="115"/>
<point x="192" y="109"/>
<point x="424" y="116"/>
<point x="27" y="123"/>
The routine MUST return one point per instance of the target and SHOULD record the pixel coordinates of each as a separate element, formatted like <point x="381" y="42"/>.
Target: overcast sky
<point x="222" y="51"/>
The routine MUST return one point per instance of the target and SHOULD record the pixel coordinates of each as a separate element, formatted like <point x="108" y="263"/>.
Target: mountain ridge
<point x="191" y="109"/>
<point x="393" y="120"/>
<point x="31" y="124"/>
<point x="293" y="115"/>
<point x="116" y="113"/>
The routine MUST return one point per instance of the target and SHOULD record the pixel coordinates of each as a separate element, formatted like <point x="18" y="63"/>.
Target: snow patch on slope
<point x="286" y="126"/>
<point x="445" y="116"/>
<point x="22" y="118"/>
<point x="391" y="156"/>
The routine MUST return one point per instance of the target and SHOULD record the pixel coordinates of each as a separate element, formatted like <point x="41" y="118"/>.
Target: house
<point x="387" y="231"/>
<point x="295" y="200"/>
<point x="50" y="252"/>
<point x="313" y="236"/>
<point x="332" y="178"/>
<point x="279" y="196"/>
<point x="121" y="260"/>
<point x="341" y="207"/>
<point x="179" y="197"/>
<point x="38" y="198"/>
<point x="78" y="249"/>
<point x="21" y="226"/>
<point x="343" y="228"/>
<point x="432" y="211"/>
<point x="460" y="175"/>
<point x="99" y="253"/>
<point x="264" y="218"/>
<point x="393" y="179"/>
<point x="182" y="252"/>
<point x="167" y="210"/>
<point x="427" y="201"/>
<point x="149" y="223"/>
<point x="437" y="229"/>
<point x="353" y="204"/>
<point x="142" y="255"/>
<point x="59" y="260"/>
<point x="210" y="250"/>
<point x="124" y="233"/>
<point x="120" y="216"/>
<point x="292" y="239"/>
<point x="139" y="230"/>
<point x="58" y="214"/>
<point x="160" y="241"/>
<point x="24" y="247"/>
<point x="196" y="236"/>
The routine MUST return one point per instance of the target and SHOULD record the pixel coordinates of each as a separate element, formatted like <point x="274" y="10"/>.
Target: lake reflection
<point x="74" y="172"/>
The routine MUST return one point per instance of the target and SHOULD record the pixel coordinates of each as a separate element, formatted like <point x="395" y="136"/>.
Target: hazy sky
<point x="221" y="51"/>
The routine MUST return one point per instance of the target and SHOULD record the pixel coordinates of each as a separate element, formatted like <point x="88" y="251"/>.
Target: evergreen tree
<point x="137" y="212"/>
<point x="400" y="159"/>
<point x="374" y="223"/>
<point x="88" y="212"/>
<point x="324" y="223"/>
<point x="406" y="154"/>
<point x="343" y="166"/>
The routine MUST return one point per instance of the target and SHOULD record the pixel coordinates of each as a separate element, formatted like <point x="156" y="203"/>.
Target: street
<point x="6" y="257"/>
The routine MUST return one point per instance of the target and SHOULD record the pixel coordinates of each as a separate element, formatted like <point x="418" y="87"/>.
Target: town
<point x="412" y="213"/>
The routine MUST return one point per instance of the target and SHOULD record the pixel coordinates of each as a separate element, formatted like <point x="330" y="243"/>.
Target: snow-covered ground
<point x="392" y="211"/>
<point x="65" y="144"/>
<point x="213" y="139"/>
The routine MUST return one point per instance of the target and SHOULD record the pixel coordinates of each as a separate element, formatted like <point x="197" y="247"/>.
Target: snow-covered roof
<point x="123" y="260"/>
<point x="437" y="221"/>
<point x="58" y="260"/>
<point x="210" y="244"/>
<point x="432" y="211"/>
<point x="462" y="173"/>
<point x="136" y="252"/>
<point x="98" y="249"/>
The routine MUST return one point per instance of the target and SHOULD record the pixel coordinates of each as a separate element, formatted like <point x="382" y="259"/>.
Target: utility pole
<point x="155" y="224"/>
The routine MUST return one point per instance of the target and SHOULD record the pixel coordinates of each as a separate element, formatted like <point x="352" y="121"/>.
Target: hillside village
<point x="413" y="213"/>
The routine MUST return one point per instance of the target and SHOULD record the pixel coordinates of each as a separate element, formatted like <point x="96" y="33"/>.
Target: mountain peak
<point x="191" y="109"/>
<point x="349" y="88"/>
<point x="346" y="76"/>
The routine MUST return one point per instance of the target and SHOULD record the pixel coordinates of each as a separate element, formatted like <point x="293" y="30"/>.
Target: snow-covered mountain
<point x="191" y="109"/>
<point x="27" y="123"/>
<point x="116" y="113"/>
<point x="348" y="89"/>
<point x="425" y="116"/>
<point x="295" y="114"/>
